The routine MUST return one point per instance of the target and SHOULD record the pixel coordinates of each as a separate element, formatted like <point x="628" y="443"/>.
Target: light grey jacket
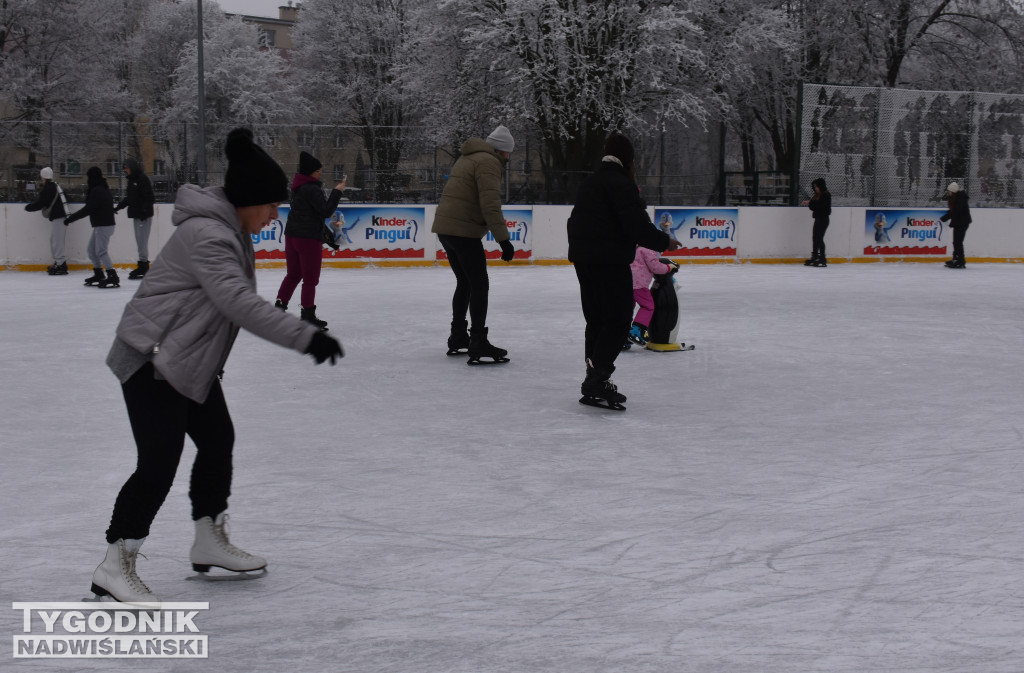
<point x="199" y="291"/>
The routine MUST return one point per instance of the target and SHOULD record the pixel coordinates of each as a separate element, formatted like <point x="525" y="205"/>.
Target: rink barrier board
<point x="413" y="263"/>
<point x="763" y="235"/>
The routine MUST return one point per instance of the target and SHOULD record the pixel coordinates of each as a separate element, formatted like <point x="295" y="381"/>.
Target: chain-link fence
<point x="383" y="164"/>
<point x="895" y="147"/>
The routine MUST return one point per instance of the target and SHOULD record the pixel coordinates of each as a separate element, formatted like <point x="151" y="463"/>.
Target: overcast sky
<point x="253" y="7"/>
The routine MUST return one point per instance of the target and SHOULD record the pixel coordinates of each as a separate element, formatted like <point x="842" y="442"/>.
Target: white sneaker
<point x="116" y="576"/>
<point x="212" y="548"/>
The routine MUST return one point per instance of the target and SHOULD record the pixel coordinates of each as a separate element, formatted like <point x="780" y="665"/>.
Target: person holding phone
<point x="304" y="236"/>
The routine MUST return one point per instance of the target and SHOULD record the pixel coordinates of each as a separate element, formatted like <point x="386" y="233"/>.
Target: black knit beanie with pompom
<point x="253" y="178"/>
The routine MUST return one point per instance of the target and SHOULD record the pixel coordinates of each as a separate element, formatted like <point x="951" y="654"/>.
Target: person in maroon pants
<point x="304" y="236"/>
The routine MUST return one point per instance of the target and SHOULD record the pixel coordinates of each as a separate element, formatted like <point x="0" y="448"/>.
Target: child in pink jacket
<point x="645" y="265"/>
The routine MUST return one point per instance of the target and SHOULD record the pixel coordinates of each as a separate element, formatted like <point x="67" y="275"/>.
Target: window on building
<point x="268" y="37"/>
<point x="112" y="168"/>
<point x="339" y="170"/>
<point x="305" y="138"/>
<point x="159" y="167"/>
<point x="71" y="167"/>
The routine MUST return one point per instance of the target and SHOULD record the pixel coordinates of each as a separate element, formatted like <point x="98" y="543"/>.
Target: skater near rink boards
<point x="607" y="222"/>
<point x="172" y="342"/>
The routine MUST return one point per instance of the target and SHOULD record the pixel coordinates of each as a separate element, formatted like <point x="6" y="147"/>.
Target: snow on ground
<point x="831" y="482"/>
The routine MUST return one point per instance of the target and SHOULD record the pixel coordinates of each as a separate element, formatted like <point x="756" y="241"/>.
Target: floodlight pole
<point x="202" y="98"/>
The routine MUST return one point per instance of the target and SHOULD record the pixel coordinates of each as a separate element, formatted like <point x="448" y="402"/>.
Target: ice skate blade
<point x="457" y="351"/>
<point x="478" y="361"/>
<point x="668" y="348"/>
<point x="601" y="403"/>
<point x="203" y="573"/>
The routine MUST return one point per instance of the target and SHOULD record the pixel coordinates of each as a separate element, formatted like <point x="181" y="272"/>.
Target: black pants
<point x="606" y="293"/>
<point x="160" y="418"/>
<point x="958" y="242"/>
<point x="818" y="239"/>
<point x="469" y="264"/>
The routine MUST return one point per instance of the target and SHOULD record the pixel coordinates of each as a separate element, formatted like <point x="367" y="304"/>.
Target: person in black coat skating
<point x="139" y="200"/>
<point x="99" y="206"/>
<point x="607" y="222"/>
<point x="821" y="207"/>
<point x="304" y="236"/>
<point x="959" y="217"/>
<point x="53" y="205"/>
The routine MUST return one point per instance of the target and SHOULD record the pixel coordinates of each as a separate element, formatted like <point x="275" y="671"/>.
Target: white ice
<point x="830" y="482"/>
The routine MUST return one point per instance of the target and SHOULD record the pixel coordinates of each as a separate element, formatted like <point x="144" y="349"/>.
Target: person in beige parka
<point x="469" y="208"/>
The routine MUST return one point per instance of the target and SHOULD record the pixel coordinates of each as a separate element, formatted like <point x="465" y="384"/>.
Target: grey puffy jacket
<point x="200" y="290"/>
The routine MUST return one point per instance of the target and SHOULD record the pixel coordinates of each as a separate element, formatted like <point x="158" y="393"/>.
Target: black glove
<point x="323" y="348"/>
<point x="67" y="221"/>
<point x="507" y="251"/>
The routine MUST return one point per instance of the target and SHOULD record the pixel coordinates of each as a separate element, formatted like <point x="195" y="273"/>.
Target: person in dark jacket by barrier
<point x="304" y="236"/>
<point x="139" y="200"/>
<point x="959" y="217"/>
<point x="53" y="205"/>
<point x="821" y="208"/>
<point x="99" y="206"/>
<point x="607" y="222"/>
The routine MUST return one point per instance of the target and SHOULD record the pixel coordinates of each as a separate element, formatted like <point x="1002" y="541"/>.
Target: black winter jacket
<point x="959" y="213"/>
<point x="610" y="219"/>
<point x="45" y="198"/>
<point x="99" y="205"/>
<point x="309" y="208"/>
<point x="139" y="196"/>
<point x="821" y="207"/>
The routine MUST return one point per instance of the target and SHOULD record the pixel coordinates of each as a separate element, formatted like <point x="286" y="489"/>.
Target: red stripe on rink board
<point x="701" y="252"/>
<point x="905" y="250"/>
<point x="409" y="253"/>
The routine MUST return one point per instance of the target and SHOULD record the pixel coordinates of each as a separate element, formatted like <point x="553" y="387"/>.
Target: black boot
<point x="308" y="314"/>
<point x="283" y="305"/>
<point x="58" y="269"/>
<point x="111" y="280"/>
<point x="139" y="271"/>
<point x="812" y="260"/>
<point x="599" y="391"/>
<point x="97" y="276"/>
<point x="458" y="342"/>
<point x="480" y="347"/>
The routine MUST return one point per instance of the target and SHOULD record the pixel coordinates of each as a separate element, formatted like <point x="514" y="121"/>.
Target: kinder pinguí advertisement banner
<point x="379" y="232"/>
<point x="519" y="221"/>
<point x="704" y="232"/>
<point x="382" y="232"/>
<point x="904" y="232"/>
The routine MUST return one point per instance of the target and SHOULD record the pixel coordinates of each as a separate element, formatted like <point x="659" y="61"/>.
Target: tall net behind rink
<point x="896" y="147"/>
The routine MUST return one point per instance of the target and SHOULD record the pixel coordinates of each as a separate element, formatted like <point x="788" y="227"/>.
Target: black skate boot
<point x="821" y="261"/>
<point x="58" y="269"/>
<point x="139" y="272"/>
<point x="111" y="280"/>
<point x="97" y="276"/>
<point x="480" y="347"/>
<point x="599" y="391"/>
<point x="281" y="305"/>
<point x="812" y="261"/>
<point x="308" y="314"/>
<point x="458" y="342"/>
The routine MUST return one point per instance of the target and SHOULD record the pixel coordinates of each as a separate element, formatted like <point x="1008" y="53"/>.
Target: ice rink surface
<point x="830" y="482"/>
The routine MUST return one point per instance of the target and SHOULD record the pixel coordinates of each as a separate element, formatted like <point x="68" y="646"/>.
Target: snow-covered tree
<point x="346" y="58"/>
<point x="58" y="60"/>
<point x="572" y="69"/>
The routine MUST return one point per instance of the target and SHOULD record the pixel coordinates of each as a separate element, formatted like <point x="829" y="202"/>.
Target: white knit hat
<point x="501" y="140"/>
<point x="953" y="188"/>
<point x="46" y="173"/>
